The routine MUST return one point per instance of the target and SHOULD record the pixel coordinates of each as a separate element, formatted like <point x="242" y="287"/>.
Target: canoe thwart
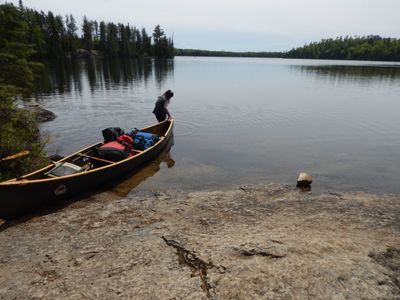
<point x="96" y="158"/>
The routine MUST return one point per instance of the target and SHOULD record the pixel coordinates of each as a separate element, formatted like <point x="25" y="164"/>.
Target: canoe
<point x="42" y="188"/>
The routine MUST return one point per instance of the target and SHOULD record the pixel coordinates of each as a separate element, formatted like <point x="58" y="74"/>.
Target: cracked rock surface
<point x="255" y="242"/>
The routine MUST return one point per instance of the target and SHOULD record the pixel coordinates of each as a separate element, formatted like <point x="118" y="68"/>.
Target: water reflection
<point x="258" y="119"/>
<point x="67" y="75"/>
<point x="347" y="73"/>
<point x="149" y="170"/>
<point x="163" y="68"/>
<point x="59" y="76"/>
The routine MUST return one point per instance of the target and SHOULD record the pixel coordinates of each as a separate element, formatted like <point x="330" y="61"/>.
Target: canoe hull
<point x="26" y="196"/>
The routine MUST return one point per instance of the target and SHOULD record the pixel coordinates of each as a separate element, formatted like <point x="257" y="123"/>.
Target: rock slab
<point x="256" y="242"/>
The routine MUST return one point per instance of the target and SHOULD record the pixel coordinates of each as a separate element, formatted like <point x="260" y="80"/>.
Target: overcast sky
<point x="239" y="25"/>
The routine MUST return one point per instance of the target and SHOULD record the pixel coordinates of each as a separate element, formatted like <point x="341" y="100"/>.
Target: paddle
<point x="14" y="156"/>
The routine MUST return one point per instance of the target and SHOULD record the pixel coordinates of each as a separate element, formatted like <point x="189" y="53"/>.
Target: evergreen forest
<point x="372" y="47"/>
<point x="53" y="36"/>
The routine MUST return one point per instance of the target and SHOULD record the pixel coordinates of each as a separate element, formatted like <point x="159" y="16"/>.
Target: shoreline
<point x="42" y="114"/>
<point x="255" y="241"/>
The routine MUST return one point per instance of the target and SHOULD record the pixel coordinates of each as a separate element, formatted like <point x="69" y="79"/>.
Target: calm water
<point x="238" y="120"/>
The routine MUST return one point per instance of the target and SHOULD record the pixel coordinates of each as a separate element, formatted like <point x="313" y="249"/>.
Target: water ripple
<point x="186" y="128"/>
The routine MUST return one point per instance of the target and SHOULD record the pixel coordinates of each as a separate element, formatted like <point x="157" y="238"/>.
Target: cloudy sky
<point x="240" y="25"/>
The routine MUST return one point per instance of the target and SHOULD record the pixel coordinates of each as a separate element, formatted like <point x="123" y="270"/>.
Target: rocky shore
<point x="254" y="242"/>
<point x="42" y="114"/>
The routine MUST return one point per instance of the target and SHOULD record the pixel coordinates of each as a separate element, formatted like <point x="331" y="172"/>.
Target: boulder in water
<point x="304" y="180"/>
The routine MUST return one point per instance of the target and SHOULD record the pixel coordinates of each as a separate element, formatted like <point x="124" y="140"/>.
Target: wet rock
<point x="83" y="53"/>
<point x="304" y="180"/>
<point x="97" y="53"/>
<point x="43" y="115"/>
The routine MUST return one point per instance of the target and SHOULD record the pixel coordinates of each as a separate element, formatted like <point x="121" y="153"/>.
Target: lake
<point x="238" y="120"/>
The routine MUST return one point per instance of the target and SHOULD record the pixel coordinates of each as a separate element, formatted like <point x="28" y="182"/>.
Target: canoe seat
<point x="66" y="168"/>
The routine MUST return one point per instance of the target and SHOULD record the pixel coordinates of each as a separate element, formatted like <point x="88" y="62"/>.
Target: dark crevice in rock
<point x="277" y="242"/>
<point x="198" y="266"/>
<point x="254" y="252"/>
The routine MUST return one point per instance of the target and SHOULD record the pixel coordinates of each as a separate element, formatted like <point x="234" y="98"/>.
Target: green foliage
<point x="14" y="68"/>
<point x="87" y="29"/>
<point x="70" y="43"/>
<point x="372" y="47"/>
<point x="18" y="131"/>
<point x="52" y="36"/>
<point x="18" y="128"/>
<point x="163" y="47"/>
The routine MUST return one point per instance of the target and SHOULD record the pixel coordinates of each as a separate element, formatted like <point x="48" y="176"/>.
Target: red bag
<point x="125" y="138"/>
<point x="113" y="151"/>
<point x="114" y="145"/>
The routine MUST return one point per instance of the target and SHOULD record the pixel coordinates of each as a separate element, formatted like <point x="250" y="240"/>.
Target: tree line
<point x="198" y="52"/>
<point x="56" y="36"/>
<point x="371" y="47"/>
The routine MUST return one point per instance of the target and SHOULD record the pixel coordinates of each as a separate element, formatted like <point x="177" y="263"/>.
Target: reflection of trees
<point x="106" y="73"/>
<point x="351" y="73"/>
<point x="162" y="69"/>
<point x="144" y="69"/>
<point x="76" y="71"/>
<point x="59" y="76"/>
<point x="115" y="71"/>
<point x="66" y="75"/>
<point x="91" y="73"/>
<point x="124" y="71"/>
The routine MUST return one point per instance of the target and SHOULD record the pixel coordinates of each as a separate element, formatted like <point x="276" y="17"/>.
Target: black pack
<point x="112" y="133"/>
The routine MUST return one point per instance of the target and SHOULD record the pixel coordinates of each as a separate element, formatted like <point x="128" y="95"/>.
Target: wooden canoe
<point x="38" y="189"/>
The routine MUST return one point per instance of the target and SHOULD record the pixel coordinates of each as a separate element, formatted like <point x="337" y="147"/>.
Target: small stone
<point x="304" y="180"/>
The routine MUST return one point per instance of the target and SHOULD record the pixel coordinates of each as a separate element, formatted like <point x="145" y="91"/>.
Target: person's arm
<point x="166" y="108"/>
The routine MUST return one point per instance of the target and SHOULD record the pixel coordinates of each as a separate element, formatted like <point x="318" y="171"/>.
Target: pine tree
<point x="87" y="38"/>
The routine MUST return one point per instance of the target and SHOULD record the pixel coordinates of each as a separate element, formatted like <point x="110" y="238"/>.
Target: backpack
<point x="143" y="140"/>
<point x="111" y="134"/>
<point x="113" y="151"/>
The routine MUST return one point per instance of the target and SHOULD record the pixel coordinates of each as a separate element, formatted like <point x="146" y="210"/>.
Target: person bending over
<point x="161" y="107"/>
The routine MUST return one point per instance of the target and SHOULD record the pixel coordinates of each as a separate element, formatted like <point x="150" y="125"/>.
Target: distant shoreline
<point x="289" y="58"/>
<point x="369" y="48"/>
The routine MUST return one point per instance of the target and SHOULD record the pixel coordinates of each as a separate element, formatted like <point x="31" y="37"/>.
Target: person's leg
<point x="160" y="117"/>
